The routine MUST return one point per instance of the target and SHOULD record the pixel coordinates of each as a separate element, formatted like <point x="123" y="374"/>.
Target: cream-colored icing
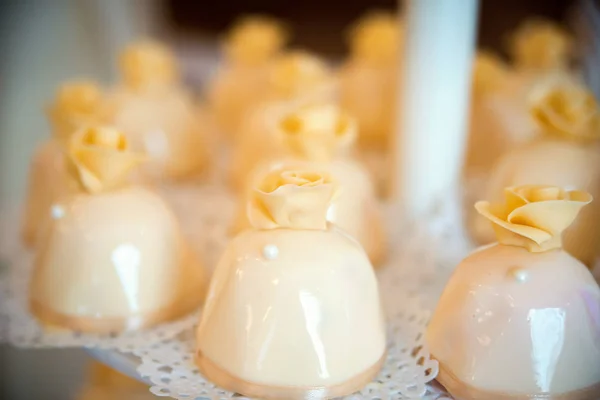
<point x="548" y="161"/>
<point x="115" y="255"/>
<point x="497" y="332"/>
<point x="261" y="313"/>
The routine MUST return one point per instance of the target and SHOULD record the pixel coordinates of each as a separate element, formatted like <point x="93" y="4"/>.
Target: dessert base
<point x="254" y="390"/>
<point x="52" y="318"/>
<point x="462" y="391"/>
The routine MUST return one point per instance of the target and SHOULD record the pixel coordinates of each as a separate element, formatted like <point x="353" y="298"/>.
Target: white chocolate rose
<point x="101" y="158"/>
<point x="292" y="199"/>
<point x="298" y="73"/>
<point x="76" y="104"/>
<point x="148" y="64"/>
<point x="570" y="111"/>
<point x="534" y="216"/>
<point x="315" y="132"/>
<point x="541" y="45"/>
<point x="255" y="39"/>
<point x="376" y="38"/>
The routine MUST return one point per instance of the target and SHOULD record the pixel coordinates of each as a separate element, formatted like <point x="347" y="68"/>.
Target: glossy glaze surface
<point x="519" y="323"/>
<point x="115" y="255"/>
<point x="553" y="162"/>
<point x="299" y="303"/>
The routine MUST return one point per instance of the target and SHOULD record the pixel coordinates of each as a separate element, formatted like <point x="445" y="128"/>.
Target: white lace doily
<point x="169" y="365"/>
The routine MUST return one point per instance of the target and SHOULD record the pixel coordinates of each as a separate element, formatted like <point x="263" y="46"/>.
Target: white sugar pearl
<point x="519" y="274"/>
<point x="57" y="212"/>
<point x="270" y="252"/>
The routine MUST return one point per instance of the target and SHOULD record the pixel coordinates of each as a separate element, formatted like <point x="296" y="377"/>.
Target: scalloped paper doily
<point x="169" y="365"/>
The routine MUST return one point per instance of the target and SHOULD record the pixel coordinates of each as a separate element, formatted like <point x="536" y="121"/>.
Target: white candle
<point x="434" y="101"/>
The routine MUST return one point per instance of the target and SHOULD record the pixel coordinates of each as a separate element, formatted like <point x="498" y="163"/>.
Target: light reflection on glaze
<point x="312" y="316"/>
<point x="126" y="259"/>
<point x="531" y="337"/>
<point x="547" y="338"/>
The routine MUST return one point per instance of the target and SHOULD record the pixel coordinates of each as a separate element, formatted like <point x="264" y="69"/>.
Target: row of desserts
<point x="150" y="103"/>
<point x="287" y="200"/>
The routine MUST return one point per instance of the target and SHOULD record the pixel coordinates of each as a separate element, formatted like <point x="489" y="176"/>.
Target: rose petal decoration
<point x="148" y="64"/>
<point x="77" y="104"/>
<point x="570" y="111"/>
<point x="255" y="39"/>
<point x="534" y="216"/>
<point x="376" y="38"/>
<point x="101" y="158"/>
<point x="316" y="132"/>
<point x="292" y="199"/>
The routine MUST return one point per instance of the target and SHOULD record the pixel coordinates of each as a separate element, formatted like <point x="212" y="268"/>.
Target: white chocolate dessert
<point x="249" y="48"/>
<point x="499" y="117"/>
<point x="76" y="104"/>
<point x="113" y="257"/>
<point x="520" y="319"/>
<point x="160" y="117"/>
<point x="295" y="77"/>
<point x="292" y="288"/>
<point x="321" y="136"/>
<point x="368" y="79"/>
<point x="567" y="155"/>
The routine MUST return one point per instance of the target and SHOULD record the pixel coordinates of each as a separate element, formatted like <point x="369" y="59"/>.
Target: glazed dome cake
<point x="520" y="319"/>
<point x="113" y="258"/>
<point x="292" y="288"/>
